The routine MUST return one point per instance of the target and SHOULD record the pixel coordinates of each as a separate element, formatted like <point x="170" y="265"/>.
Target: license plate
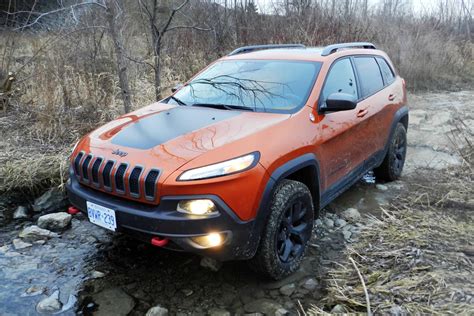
<point x="102" y="216"/>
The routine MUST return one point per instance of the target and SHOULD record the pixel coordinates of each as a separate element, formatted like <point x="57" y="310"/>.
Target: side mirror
<point x="339" y="102"/>
<point x="177" y="87"/>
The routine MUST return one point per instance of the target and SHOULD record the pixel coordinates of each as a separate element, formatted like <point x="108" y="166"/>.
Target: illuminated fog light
<point x="197" y="207"/>
<point x="209" y="240"/>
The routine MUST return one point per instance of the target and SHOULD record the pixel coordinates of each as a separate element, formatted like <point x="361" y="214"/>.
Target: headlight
<point x="222" y="168"/>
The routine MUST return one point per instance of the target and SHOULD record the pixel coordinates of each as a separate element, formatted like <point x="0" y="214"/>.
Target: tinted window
<point x="387" y="74"/>
<point x="262" y="85"/>
<point x="369" y="75"/>
<point x="340" y="79"/>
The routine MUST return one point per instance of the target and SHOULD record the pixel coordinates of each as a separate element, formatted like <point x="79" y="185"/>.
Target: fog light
<point x="209" y="240"/>
<point x="197" y="207"/>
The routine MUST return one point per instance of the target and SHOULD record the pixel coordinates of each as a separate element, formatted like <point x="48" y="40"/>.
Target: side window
<point x="340" y="79"/>
<point x="369" y="75"/>
<point x="387" y="73"/>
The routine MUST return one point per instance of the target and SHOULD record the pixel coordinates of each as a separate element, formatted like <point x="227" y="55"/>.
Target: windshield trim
<point x="318" y="66"/>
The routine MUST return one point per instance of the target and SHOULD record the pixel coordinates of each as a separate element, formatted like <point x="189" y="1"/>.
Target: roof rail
<point x="330" y="49"/>
<point x="247" y="49"/>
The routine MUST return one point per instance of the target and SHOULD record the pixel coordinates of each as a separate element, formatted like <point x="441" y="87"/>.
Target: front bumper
<point x="146" y="221"/>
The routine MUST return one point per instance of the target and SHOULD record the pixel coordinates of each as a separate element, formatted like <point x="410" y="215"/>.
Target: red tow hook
<point x="73" y="210"/>
<point x="159" y="242"/>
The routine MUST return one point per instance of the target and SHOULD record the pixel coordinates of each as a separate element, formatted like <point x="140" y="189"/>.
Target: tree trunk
<point x="115" y="33"/>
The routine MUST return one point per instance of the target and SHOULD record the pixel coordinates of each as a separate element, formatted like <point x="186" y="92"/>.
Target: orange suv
<point x="238" y="161"/>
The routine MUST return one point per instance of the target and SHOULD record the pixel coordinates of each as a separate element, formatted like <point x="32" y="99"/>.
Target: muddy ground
<point x="113" y="274"/>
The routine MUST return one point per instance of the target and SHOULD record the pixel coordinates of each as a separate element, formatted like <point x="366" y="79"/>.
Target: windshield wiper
<point x="224" y="106"/>
<point x="177" y="100"/>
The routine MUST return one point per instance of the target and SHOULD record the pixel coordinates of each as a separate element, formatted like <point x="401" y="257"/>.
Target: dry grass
<point x="416" y="258"/>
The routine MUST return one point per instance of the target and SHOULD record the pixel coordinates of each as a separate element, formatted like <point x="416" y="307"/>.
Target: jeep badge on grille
<point x="120" y="153"/>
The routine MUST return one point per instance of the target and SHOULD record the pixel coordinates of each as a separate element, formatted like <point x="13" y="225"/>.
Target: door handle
<point x="391" y="97"/>
<point x="362" y="113"/>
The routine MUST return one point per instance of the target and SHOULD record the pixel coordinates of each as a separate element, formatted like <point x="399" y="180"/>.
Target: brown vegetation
<point x="79" y="64"/>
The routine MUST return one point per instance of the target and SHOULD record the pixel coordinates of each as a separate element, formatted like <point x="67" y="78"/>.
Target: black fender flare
<point x="280" y="173"/>
<point x="402" y="115"/>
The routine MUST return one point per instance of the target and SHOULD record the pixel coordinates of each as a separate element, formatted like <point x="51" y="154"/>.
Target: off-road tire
<point x="284" y="206"/>
<point x="392" y="165"/>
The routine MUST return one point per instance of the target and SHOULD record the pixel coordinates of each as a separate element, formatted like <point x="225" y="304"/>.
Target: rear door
<point x="376" y="95"/>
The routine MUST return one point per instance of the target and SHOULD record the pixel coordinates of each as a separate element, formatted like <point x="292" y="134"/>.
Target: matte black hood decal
<point x="159" y="128"/>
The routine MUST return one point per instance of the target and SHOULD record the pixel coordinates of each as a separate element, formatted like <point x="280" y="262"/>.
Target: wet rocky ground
<point x="64" y="265"/>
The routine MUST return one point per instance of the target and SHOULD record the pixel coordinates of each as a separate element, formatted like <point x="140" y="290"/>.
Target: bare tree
<point x="159" y="25"/>
<point x="115" y="22"/>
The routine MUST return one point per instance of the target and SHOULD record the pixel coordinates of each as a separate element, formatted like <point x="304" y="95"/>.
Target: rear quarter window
<point x="387" y="73"/>
<point x="369" y="75"/>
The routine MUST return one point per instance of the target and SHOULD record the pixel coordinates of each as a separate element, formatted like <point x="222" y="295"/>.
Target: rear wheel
<point x="287" y="232"/>
<point x="392" y="165"/>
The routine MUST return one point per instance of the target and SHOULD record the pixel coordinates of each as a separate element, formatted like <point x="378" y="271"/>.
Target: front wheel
<point x="392" y="165"/>
<point x="287" y="232"/>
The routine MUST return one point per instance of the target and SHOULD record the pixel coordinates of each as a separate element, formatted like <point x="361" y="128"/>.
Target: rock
<point x="34" y="290"/>
<point x="328" y="222"/>
<point x="49" y="305"/>
<point x="351" y="215"/>
<point x="19" y="244"/>
<point x="33" y="233"/>
<point x="218" y="312"/>
<point x="281" y="312"/>
<point x="338" y="309"/>
<point x="211" y="264"/>
<point x="157" y="311"/>
<point x="468" y="250"/>
<point x="347" y="235"/>
<point x="397" y="310"/>
<point x="97" y="274"/>
<point x="55" y="221"/>
<point x="318" y="222"/>
<point x="53" y="200"/>
<point x="340" y="222"/>
<point x="20" y="212"/>
<point x="381" y="187"/>
<point x="4" y="249"/>
<point x="114" y="301"/>
<point x="265" y="306"/>
<point x="187" y="292"/>
<point x="310" y="284"/>
<point x="288" y="289"/>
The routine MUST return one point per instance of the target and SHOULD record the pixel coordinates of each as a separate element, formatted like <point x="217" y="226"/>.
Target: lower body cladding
<point x="222" y="236"/>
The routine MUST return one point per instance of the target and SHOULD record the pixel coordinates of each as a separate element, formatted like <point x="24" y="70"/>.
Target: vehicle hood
<point x="167" y="137"/>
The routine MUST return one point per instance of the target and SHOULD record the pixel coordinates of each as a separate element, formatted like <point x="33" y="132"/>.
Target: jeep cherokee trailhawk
<point x="238" y="161"/>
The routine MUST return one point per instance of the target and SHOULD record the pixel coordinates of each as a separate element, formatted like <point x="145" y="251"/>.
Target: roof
<point x="299" y="52"/>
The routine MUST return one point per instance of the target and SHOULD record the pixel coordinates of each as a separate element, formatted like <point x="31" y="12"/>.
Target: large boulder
<point x="33" y="233"/>
<point x="351" y="215"/>
<point x="157" y="311"/>
<point x="53" y="200"/>
<point x="55" y="221"/>
<point x="113" y="301"/>
<point x="49" y="305"/>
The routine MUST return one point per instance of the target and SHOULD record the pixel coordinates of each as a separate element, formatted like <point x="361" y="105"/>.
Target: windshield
<point x="259" y="85"/>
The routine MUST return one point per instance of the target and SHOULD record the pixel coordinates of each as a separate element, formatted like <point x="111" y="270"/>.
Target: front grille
<point x="85" y="167"/>
<point x="77" y="162"/>
<point x="119" y="181"/>
<point x="95" y="170"/>
<point x="150" y="184"/>
<point x="99" y="173"/>
<point x="134" y="181"/>
<point x="106" y="174"/>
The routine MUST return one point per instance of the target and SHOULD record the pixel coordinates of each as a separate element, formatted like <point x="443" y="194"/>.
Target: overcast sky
<point x="418" y="5"/>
